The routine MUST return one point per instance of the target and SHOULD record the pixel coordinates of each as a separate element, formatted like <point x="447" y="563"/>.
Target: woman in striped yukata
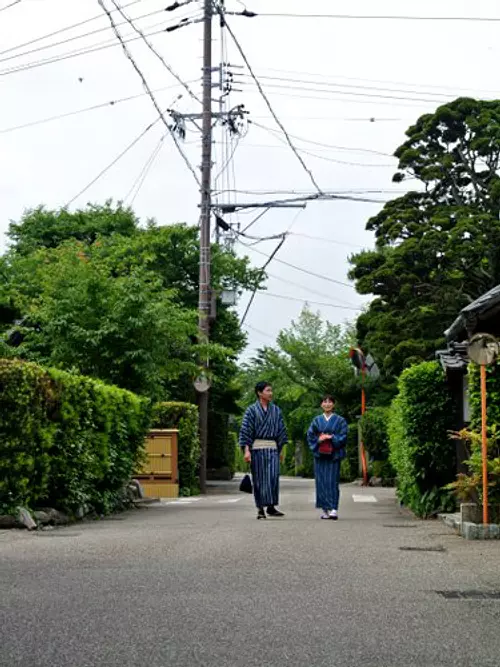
<point x="262" y="437"/>
<point x="327" y="436"/>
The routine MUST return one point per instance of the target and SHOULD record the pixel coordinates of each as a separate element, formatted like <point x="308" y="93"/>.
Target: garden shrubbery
<point x="421" y="451"/>
<point x="66" y="441"/>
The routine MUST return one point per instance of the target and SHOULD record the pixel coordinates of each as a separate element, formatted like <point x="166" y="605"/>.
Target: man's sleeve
<point x="247" y="430"/>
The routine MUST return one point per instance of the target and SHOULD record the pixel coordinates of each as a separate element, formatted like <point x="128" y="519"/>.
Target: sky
<point x="344" y="89"/>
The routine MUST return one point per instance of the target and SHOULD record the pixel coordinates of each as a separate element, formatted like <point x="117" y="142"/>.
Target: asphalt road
<point x="204" y="583"/>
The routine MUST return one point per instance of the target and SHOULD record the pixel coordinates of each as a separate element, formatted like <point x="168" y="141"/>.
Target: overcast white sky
<point x="325" y="78"/>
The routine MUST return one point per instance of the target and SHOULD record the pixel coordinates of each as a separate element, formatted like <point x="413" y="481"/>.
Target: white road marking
<point x="182" y="501"/>
<point x="363" y="499"/>
<point x="229" y="500"/>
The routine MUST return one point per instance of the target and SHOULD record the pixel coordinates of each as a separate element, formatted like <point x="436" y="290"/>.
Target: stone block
<point x="42" y="518"/>
<point x="7" y="521"/>
<point x="469" y="530"/>
<point x="25" y="519"/>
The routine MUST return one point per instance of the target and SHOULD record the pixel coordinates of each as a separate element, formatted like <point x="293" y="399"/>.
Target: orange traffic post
<point x="364" y="465"/>
<point x="484" y="444"/>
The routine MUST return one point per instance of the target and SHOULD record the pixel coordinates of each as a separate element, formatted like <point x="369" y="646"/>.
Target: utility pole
<point x="205" y="295"/>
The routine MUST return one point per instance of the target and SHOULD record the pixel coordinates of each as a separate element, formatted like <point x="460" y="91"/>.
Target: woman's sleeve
<point x="340" y="436"/>
<point x="312" y="436"/>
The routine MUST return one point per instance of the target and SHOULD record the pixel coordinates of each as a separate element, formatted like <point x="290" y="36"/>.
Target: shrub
<point x="349" y="465"/>
<point x="374" y="425"/>
<point x="66" y="441"/>
<point x="421" y="452"/>
<point x="469" y="488"/>
<point x="222" y="442"/>
<point x="184" y="417"/>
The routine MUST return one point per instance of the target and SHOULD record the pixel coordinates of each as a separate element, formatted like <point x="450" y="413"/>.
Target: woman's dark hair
<point x="260" y="386"/>
<point x="328" y="397"/>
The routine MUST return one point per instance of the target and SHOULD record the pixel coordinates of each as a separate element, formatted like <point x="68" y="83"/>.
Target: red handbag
<point x="326" y="446"/>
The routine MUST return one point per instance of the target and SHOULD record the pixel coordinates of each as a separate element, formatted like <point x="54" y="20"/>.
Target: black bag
<point x="246" y="484"/>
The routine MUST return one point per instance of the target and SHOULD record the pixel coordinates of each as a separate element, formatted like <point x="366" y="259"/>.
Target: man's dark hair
<point x="260" y="386"/>
<point x="327" y="397"/>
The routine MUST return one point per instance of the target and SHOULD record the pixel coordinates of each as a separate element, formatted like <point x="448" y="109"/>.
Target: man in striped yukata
<point x="262" y="437"/>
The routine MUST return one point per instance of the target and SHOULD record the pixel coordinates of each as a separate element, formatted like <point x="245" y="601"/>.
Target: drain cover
<point x="438" y="549"/>
<point x="470" y="595"/>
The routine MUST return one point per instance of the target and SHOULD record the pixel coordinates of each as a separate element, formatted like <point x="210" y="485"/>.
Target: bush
<point x="374" y="429"/>
<point x="469" y="488"/>
<point x="222" y="440"/>
<point x="184" y="417"/>
<point x="66" y="441"/>
<point x="421" y="452"/>
<point x="349" y="465"/>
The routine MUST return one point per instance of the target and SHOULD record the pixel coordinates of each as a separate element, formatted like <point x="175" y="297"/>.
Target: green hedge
<point x="374" y="424"/>
<point x="421" y="452"/>
<point x="184" y="417"/>
<point x="66" y="441"/>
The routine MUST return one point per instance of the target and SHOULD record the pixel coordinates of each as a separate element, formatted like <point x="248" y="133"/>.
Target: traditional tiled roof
<point x="480" y="310"/>
<point x="454" y="358"/>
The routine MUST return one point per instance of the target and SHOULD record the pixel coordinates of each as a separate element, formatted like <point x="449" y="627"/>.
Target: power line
<point x="298" y="268"/>
<point x="74" y="38"/>
<point x="293" y="93"/>
<point x="479" y="19"/>
<point x="326" y="78"/>
<point x="61" y="30"/>
<point x="263" y="268"/>
<point x="286" y="281"/>
<point x="319" y="143"/>
<point x="269" y="105"/>
<point x="154" y="51"/>
<point x="114" y="161"/>
<point x="306" y="300"/>
<point x="323" y="157"/>
<point x="111" y="103"/>
<point x="140" y="180"/>
<point x="16" y="2"/>
<point x="85" y="51"/>
<point x="148" y="90"/>
<point x="326" y="240"/>
<point x="377" y="96"/>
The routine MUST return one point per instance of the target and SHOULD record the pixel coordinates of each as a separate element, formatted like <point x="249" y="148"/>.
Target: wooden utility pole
<point x="205" y="207"/>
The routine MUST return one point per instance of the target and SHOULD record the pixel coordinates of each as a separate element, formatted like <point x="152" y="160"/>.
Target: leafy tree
<point x="41" y="228"/>
<point x="436" y="250"/>
<point x="96" y="268"/>
<point x="127" y="331"/>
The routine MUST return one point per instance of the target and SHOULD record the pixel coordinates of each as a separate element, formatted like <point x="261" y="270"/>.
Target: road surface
<point x="201" y="582"/>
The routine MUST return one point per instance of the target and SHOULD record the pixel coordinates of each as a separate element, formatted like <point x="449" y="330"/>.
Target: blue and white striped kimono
<point x="260" y="424"/>
<point x="327" y="467"/>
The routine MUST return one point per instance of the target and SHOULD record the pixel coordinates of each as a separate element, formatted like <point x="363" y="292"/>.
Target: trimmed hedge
<point x="184" y="417"/>
<point x="374" y="425"/>
<point x="421" y="452"/>
<point x="66" y="441"/>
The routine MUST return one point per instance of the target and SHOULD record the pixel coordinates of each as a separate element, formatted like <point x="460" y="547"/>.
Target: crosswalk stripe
<point x="363" y="499"/>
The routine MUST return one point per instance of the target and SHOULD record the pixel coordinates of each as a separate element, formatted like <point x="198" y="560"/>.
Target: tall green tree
<point x="438" y="249"/>
<point x="97" y="291"/>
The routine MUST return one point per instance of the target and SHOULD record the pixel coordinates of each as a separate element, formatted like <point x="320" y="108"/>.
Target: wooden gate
<point x="159" y="475"/>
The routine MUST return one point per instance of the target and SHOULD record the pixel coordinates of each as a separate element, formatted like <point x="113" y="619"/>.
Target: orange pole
<point x="484" y="444"/>
<point x="364" y="465"/>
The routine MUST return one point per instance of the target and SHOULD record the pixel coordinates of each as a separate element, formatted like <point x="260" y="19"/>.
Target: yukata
<point x="264" y="432"/>
<point x="327" y="467"/>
